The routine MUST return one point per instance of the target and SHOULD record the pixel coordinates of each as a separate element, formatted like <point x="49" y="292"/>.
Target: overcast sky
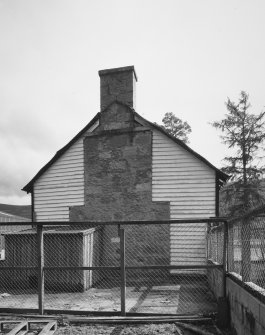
<point x="189" y="57"/>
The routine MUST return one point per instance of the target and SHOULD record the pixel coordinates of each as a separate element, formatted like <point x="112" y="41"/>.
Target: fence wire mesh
<point x="245" y="249"/>
<point x="18" y="277"/>
<point x="165" y="268"/>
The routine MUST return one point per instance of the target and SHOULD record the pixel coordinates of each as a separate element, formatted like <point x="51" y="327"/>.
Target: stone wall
<point x="117" y="85"/>
<point x="118" y="186"/>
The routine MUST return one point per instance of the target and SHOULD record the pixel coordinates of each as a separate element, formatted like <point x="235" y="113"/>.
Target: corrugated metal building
<point x="171" y="174"/>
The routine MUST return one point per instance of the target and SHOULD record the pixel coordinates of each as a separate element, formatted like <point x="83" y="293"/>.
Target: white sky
<point x="189" y="57"/>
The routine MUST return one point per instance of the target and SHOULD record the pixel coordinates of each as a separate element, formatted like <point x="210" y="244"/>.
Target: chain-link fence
<point x="245" y="248"/>
<point x="135" y="267"/>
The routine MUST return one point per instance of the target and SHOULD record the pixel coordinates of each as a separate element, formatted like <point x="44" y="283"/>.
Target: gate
<point x="123" y="268"/>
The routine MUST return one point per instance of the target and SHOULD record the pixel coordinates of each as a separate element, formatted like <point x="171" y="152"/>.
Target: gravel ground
<point x="148" y="329"/>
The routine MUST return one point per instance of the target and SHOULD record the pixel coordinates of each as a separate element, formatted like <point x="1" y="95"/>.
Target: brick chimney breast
<point x="117" y="84"/>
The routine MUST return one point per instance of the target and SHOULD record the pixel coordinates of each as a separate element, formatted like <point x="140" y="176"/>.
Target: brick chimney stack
<point x="117" y="84"/>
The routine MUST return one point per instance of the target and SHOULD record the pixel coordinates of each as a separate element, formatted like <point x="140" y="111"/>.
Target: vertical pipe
<point x="123" y="274"/>
<point x="217" y="185"/>
<point x="40" y="255"/>
<point x="32" y="206"/>
<point x="207" y="242"/>
<point x="246" y="249"/>
<point x="225" y="256"/>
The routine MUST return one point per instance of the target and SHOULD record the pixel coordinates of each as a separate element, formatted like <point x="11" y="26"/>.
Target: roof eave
<point x="223" y="176"/>
<point x="29" y="187"/>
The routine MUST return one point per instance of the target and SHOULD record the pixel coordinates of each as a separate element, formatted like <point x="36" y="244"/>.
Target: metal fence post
<point x="225" y="246"/>
<point x="246" y="249"/>
<point x="40" y="255"/>
<point x="123" y="274"/>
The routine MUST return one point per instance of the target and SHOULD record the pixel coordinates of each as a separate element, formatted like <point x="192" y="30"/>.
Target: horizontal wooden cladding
<point x="48" y="219"/>
<point x="53" y="210"/>
<point x="172" y="196"/>
<point x="193" y="236"/>
<point x="62" y="184"/>
<point x="177" y="169"/>
<point x="76" y="157"/>
<point x="196" y="209"/>
<point x="181" y="214"/>
<point x="67" y="172"/>
<point x="176" y="180"/>
<point x="192" y="202"/>
<point x="193" y="259"/>
<point x="183" y="217"/>
<point x="160" y="175"/>
<point x="54" y="214"/>
<point x="59" y="190"/>
<point x="67" y="196"/>
<point x="66" y="176"/>
<point x="194" y="227"/>
<point x="53" y="181"/>
<point x="51" y="206"/>
<point x="67" y="167"/>
<point x="176" y="247"/>
<point x="68" y="200"/>
<point x="187" y="261"/>
<point x="188" y="250"/>
<point x="178" y="164"/>
<point x="183" y="187"/>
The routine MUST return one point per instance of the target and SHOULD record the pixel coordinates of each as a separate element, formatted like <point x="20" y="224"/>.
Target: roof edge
<point x="29" y="187"/>
<point x="223" y="176"/>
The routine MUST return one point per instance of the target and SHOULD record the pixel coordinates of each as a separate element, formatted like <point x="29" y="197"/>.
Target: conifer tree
<point x="244" y="132"/>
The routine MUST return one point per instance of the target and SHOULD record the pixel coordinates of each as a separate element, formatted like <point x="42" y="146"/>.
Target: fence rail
<point x="245" y="248"/>
<point x="121" y="267"/>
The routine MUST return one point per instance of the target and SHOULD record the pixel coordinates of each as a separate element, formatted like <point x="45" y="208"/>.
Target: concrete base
<point x="223" y="312"/>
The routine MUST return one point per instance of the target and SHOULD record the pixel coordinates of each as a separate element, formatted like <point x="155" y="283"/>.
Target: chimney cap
<point x="118" y="69"/>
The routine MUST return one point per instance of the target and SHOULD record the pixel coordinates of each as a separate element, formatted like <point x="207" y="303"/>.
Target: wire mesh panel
<point x="69" y="253"/>
<point x="155" y="282"/>
<point x="18" y="269"/>
<point x="215" y="243"/>
<point x="246" y="250"/>
<point x="156" y="268"/>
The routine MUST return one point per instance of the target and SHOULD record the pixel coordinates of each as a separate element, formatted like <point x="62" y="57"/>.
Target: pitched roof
<point x="28" y="188"/>
<point x="59" y="153"/>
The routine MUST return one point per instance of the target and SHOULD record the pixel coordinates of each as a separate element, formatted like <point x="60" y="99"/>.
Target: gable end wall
<point x="62" y="185"/>
<point x="189" y="185"/>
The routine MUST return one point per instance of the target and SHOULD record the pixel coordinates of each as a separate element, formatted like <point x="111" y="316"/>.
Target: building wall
<point x="177" y="178"/>
<point x="247" y="312"/>
<point x="118" y="180"/>
<point x="189" y="185"/>
<point x="62" y="185"/>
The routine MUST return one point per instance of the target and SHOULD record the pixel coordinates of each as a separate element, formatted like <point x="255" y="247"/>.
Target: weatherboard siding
<point x="189" y="185"/>
<point x="62" y="185"/>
